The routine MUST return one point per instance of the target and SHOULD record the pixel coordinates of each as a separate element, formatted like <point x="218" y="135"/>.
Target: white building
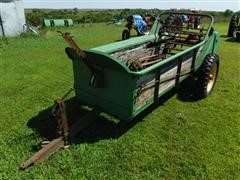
<point x="12" y="17"/>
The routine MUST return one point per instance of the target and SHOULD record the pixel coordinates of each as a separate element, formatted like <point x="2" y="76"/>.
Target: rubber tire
<point x="139" y="34"/>
<point x="204" y="75"/>
<point x="234" y="20"/>
<point x="238" y="36"/>
<point x="125" y="34"/>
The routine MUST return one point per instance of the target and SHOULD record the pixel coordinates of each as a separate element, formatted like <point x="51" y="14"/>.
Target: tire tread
<point x="203" y="76"/>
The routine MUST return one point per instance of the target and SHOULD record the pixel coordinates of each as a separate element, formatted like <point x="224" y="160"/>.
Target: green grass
<point x="179" y="139"/>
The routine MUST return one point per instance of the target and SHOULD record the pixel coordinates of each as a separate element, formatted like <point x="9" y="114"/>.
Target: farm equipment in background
<point x="31" y="28"/>
<point x="127" y="77"/>
<point x="145" y="21"/>
<point x="234" y="26"/>
<point x="191" y="20"/>
<point x="57" y="22"/>
<point x="87" y="21"/>
<point x="115" y="21"/>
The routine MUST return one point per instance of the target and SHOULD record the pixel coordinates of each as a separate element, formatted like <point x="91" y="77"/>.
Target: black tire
<point x="139" y="34"/>
<point x="125" y="34"/>
<point x="238" y="36"/>
<point x="232" y="24"/>
<point x="207" y="76"/>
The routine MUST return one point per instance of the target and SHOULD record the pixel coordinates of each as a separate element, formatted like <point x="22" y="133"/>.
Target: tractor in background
<point x="234" y="26"/>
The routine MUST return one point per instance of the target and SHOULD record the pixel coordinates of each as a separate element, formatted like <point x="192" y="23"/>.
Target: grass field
<point x="179" y="139"/>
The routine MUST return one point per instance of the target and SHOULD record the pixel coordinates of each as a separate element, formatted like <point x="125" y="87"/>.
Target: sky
<point x="214" y="5"/>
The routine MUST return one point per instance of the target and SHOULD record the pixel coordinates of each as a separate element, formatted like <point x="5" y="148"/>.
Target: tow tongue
<point x="96" y="79"/>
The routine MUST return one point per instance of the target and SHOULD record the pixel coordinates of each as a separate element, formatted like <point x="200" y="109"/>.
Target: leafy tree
<point x="228" y="13"/>
<point x="37" y="15"/>
<point x="75" y="10"/>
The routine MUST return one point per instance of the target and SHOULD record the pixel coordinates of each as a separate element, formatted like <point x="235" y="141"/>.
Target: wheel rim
<point x="212" y="77"/>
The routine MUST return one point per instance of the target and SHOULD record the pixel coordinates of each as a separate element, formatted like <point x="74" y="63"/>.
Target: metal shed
<point x="12" y="17"/>
<point x="57" y="22"/>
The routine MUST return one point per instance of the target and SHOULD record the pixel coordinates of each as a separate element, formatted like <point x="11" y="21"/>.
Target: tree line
<point x="36" y="16"/>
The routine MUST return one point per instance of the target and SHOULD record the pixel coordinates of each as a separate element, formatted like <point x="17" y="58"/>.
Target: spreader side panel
<point x="116" y="95"/>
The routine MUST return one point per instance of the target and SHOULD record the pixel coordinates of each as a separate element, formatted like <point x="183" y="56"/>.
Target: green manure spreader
<point x="124" y="78"/>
